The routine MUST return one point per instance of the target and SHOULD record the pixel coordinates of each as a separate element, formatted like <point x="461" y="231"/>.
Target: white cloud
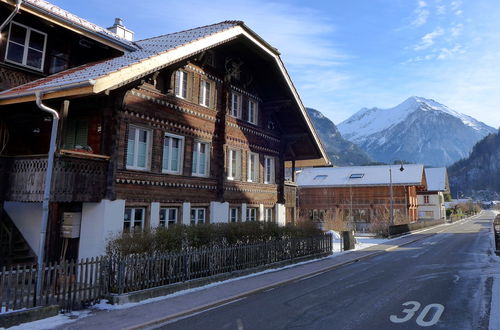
<point x="445" y="53"/>
<point x="456" y="30"/>
<point x="421" y="14"/>
<point x="440" y="9"/>
<point x="429" y="39"/>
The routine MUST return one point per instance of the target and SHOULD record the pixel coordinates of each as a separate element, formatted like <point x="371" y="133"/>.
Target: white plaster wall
<point x="433" y="205"/>
<point x="186" y="213"/>
<point x="154" y="217"/>
<point x="219" y="212"/>
<point x="27" y="217"/>
<point x="100" y="222"/>
<point x="280" y="214"/>
<point x="244" y="212"/>
<point x="261" y="212"/>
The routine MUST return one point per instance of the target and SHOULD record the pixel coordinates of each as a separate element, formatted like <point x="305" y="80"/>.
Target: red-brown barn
<point x="359" y="196"/>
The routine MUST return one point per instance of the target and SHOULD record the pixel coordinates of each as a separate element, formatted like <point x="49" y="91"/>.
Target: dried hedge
<point x="182" y="237"/>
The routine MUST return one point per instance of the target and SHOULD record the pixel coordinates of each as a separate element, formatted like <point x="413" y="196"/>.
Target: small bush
<point x="181" y="237"/>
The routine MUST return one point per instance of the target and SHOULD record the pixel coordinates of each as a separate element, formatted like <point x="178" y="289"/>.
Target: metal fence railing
<point x="74" y="285"/>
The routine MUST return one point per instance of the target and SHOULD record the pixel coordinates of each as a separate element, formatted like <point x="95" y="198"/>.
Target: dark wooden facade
<point x="93" y="153"/>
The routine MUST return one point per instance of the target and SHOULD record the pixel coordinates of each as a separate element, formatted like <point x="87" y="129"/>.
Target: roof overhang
<point x="151" y="64"/>
<point x="60" y="21"/>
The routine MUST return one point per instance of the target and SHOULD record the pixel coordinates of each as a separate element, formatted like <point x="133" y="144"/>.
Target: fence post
<point x="121" y="275"/>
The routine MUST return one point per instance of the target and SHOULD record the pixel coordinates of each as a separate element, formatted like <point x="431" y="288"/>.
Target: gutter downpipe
<point x="11" y="16"/>
<point x="46" y="191"/>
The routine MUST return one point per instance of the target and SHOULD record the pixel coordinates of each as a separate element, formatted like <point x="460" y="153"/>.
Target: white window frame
<point x="166" y="222"/>
<point x="237" y="174"/>
<point x="134" y="165"/>
<point x="236" y="111"/>
<point x="132" y="221"/>
<point x="197" y="220"/>
<point x="254" y="118"/>
<point x="268" y="214"/>
<point x="252" y="167"/>
<point x="179" y="89"/>
<point x="26" y="47"/>
<point x="168" y="169"/>
<point x="195" y="171"/>
<point x="234" y="214"/>
<point x="205" y="92"/>
<point x="269" y="170"/>
<point x="250" y="216"/>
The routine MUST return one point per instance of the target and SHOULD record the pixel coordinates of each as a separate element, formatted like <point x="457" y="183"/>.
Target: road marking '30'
<point x="438" y="309"/>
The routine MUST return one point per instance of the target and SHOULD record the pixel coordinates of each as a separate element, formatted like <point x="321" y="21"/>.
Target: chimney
<point x="121" y="30"/>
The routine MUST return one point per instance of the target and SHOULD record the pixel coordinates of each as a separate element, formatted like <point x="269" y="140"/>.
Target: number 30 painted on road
<point x="415" y="306"/>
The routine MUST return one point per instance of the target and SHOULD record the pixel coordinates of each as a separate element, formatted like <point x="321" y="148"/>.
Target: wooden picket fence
<point x="74" y="285"/>
<point x="71" y="285"/>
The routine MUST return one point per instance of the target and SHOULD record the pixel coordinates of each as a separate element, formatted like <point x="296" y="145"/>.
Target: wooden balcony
<point x="76" y="178"/>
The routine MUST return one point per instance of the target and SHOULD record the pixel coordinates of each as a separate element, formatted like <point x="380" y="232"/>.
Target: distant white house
<point x="431" y="205"/>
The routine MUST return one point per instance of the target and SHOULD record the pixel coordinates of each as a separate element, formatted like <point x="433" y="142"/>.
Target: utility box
<point x="70" y="226"/>
<point x="348" y="239"/>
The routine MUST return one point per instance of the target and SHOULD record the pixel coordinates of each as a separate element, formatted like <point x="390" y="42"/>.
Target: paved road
<point x="440" y="282"/>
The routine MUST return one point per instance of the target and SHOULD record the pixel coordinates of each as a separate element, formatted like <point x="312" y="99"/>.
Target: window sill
<point x="141" y="169"/>
<point x="171" y="173"/>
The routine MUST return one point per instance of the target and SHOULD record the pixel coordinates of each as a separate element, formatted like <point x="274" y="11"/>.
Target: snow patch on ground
<point x="52" y="322"/>
<point x="362" y="242"/>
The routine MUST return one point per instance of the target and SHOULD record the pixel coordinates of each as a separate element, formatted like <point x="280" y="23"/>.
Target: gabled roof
<point x="437" y="179"/>
<point x="413" y="175"/>
<point x="92" y="74"/>
<point x="64" y="18"/>
<point x="151" y="55"/>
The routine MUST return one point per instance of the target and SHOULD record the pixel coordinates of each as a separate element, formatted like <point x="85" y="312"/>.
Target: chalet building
<point x="360" y="196"/>
<point x="190" y="127"/>
<point x="431" y="202"/>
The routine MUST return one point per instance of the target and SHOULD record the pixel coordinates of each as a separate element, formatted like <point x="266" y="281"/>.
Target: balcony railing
<point x="75" y="179"/>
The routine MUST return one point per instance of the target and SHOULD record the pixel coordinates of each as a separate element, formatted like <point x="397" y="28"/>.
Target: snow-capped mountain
<point x="418" y="130"/>
<point x="340" y="151"/>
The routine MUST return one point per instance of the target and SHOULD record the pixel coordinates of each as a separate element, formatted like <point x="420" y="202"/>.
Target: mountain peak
<point x="409" y="129"/>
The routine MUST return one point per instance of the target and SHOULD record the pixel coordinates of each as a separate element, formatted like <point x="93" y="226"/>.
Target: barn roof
<point x="413" y="174"/>
<point x="437" y="179"/>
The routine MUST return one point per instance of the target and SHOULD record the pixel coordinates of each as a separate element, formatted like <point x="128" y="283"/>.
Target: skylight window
<point x="320" y="177"/>
<point x="357" y="176"/>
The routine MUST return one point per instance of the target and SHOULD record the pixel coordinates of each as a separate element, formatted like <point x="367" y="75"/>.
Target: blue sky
<point x="345" y="55"/>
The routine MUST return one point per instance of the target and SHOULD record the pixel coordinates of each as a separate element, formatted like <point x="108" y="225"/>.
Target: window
<point x="320" y="177"/>
<point x="234" y="164"/>
<point x="251" y="214"/>
<point x="252" y="112"/>
<point x="168" y="216"/>
<point x="268" y="214"/>
<point x="76" y="135"/>
<point x="268" y="169"/>
<point x="205" y="93"/>
<point x="426" y="199"/>
<point x="173" y="147"/>
<point x="133" y="219"/>
<point x="197" y="215"/>
<point x="26" y="46"/>
<point x="236" y="105"/>
<point x="201" y="155"/>
<point x="253" y="167"/>
<point x="357" y="176"/>
<point x="138" y="146"/>
<point x="233" y="214"/>
<point x="181" y="84"/>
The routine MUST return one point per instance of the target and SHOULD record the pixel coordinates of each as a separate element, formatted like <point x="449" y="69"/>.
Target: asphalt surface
<point x="442" y="281"/>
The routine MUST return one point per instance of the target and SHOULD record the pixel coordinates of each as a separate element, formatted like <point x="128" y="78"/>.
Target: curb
<point x="267" y="287"/>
